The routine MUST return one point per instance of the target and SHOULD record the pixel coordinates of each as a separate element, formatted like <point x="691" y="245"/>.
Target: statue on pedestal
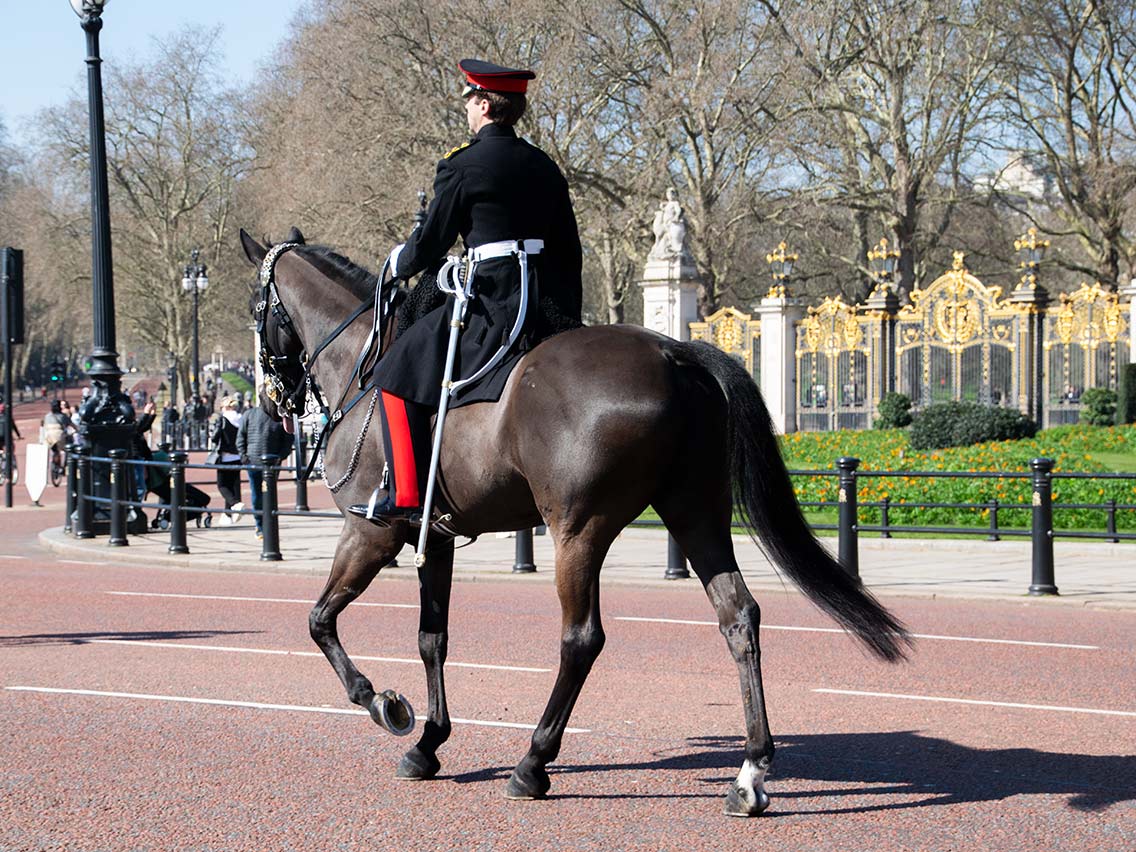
<point x="669" y="228"/>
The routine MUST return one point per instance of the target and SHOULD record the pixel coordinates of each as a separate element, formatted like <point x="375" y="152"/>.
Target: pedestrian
<point x="259" y="435"/>
<point x="224" y="443"/>
<point x="140" y="447"/>
<point x="7" y="421"/>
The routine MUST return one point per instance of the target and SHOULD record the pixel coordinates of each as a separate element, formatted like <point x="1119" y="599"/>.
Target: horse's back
<point x="589" y="418"/>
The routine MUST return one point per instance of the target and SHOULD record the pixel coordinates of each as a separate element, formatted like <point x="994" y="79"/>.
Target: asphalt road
<point x="144" y="708"/>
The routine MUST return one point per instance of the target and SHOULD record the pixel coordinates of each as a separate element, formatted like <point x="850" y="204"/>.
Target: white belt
<point x="505" y="248"/>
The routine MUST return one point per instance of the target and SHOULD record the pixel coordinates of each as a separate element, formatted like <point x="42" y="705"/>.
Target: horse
<point x="594" y="426"/>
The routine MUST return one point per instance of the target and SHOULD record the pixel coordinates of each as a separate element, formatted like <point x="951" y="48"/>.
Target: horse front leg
<point x="361" y="553"/>
<point x="578" y="562"/>
<point x="434" y="581"/>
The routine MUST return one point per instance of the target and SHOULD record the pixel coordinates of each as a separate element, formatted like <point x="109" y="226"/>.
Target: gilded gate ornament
<point x="731" y="331"/>
<point x="956" y="321"/>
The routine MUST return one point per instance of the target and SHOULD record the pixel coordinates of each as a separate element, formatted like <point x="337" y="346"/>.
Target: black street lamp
<point x="104" y="359"/>
<point x="107" y="417"/>
<point x="195" y="281"/>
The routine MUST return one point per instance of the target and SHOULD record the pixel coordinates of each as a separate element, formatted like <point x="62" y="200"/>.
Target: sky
<point x="42" y="46"/>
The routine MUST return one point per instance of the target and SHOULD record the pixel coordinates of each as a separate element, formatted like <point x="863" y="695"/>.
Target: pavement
<point x="1088" y="574"/>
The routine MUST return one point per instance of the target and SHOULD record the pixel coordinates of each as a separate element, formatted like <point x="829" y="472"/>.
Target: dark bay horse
<point x="594" y="426"/>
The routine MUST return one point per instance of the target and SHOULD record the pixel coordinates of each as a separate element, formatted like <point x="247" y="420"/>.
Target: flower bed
<point x="1071" y="448"/>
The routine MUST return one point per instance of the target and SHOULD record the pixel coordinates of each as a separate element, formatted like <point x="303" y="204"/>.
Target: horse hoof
<point x="741" y="802"/>
<point x="528" y="784"/>
<point x="417" y="766"/>
<point x="393" y="712"/>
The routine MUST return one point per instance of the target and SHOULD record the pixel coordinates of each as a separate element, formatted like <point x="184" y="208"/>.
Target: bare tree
<point x="174" y="156"/>
<point x="1070" y="90"/>
<point x="902" y="98"/>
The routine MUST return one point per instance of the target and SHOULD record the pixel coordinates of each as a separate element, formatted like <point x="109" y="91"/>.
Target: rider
<point x="56" y="425"/>
<point x="496" y="191"/>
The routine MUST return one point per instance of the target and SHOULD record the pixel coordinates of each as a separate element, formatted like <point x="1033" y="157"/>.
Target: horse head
<point x="281" y="347"/>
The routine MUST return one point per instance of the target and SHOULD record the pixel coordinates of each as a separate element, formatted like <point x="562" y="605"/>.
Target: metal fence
<point x="83" y="504"/>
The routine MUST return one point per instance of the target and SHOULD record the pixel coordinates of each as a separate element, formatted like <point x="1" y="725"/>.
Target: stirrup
<point x="381" y="511"/>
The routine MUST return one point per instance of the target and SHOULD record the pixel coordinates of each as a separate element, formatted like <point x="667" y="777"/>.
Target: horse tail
<point x="768" y="506"/>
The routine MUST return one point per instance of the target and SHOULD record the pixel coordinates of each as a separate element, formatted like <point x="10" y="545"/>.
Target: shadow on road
<point x="926" y="771"/>
<point x="139" y="636"/>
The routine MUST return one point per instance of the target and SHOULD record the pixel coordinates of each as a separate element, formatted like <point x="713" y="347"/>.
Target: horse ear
<point x="294" y="236"/>
<point x="254" y="251"/>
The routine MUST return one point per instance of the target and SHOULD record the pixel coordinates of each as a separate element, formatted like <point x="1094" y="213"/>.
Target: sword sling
<point x="462" y="293"/>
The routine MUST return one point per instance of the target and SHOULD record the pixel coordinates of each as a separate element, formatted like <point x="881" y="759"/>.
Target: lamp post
<point x="1031" y="298"/>
<point x="172" y="376"/>
<point x="195" y="281"/>
<point x="107" y="417"/>
<point x="883" y="262"/>
<point x="781" y="262"/>
<point x="883" y="303"/>
<point x="1032" y="250"/>
<point x="108" y="404"/>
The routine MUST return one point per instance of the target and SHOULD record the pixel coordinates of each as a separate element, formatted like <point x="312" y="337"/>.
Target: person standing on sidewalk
<point x="224" y="441"/>
<point x="260" y="435"/>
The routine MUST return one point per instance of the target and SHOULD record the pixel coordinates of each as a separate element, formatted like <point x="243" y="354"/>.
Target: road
<point x="145" y="708"/>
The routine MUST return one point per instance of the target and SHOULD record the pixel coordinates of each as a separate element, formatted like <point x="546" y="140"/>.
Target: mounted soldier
<point x="521" y="270"/>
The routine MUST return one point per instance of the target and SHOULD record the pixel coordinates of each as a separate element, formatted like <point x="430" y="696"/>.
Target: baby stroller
<point x="158" y="482"/>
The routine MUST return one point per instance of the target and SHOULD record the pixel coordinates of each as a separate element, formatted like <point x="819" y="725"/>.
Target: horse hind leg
<point x="578" y="562"/>
<point x="711" y="554"/>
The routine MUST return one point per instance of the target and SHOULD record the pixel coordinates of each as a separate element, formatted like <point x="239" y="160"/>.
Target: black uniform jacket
<point x="496" y="187"/>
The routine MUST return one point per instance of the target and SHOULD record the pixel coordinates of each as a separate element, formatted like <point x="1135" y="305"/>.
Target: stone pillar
<point x="780" y="314"/>
<point x="670" y="280"/>
<point x="882" y="305"/>
<point x="1129" y="294"/>
<point x="1031" y="299"/>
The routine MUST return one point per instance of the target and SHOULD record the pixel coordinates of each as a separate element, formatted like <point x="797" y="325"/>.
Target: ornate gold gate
<point x="836" y="388"/>
<point x="1086" y="340"/>
<point x="959" y="340"/>
<point x="735" y="334"/>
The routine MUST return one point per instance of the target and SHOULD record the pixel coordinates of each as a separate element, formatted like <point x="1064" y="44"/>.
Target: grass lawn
<point x="1117" y="462"/>
<point x="237" y="382"/>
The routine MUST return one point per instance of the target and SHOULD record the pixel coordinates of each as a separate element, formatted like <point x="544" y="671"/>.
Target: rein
<point x="276" y="382"/>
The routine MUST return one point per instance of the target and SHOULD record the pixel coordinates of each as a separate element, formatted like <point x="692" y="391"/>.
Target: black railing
<point x="82" y="506"/>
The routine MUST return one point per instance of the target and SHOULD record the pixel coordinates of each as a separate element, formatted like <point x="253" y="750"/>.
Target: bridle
<point x="288" y="378"/>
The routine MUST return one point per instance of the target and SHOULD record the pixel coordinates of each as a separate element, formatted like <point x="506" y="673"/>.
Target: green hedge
<point x="1126" y="404"/>
<point x="1098" y="407"/>
<point x="961" y="424"/>
<point x="894" y="410"/>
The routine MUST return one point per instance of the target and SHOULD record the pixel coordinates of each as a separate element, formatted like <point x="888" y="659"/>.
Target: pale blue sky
<point x="42" y="46"/>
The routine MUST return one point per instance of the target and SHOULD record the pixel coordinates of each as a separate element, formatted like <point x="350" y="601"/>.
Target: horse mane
<point x="357" y="279"/>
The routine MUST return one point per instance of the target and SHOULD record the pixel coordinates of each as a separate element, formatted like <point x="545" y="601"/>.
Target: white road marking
<point x="915" y="635"/>
<point x="252" y="600"/>
<point x="12" y="556"/>
<point x="979" y="703"/>
<point x="256" y="705"/>
<point x="78" y="562"/>
<point x="277" y="652"/>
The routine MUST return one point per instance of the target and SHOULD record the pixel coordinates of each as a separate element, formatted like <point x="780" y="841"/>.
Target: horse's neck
<point x="331" y="368"/>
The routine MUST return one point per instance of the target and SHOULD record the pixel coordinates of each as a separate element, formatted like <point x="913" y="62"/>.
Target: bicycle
<point x="58" y="471"/>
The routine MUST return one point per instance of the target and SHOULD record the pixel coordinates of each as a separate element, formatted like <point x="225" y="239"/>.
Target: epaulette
<point x="458" y="148"/>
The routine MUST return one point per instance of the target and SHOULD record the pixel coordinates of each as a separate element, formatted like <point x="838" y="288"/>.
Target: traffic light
<point x="12" y="304"/>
